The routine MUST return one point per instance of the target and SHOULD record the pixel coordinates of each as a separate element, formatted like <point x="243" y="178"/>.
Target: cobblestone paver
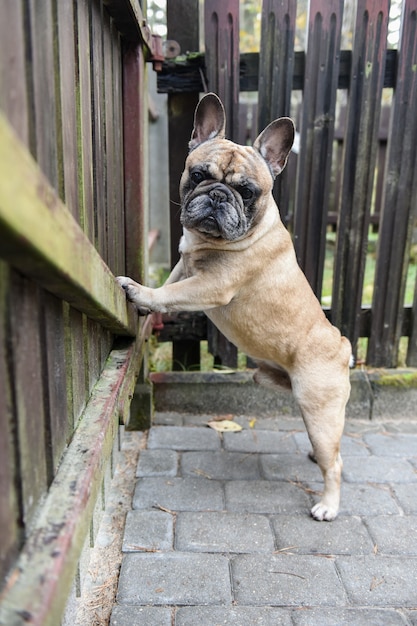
<point x="220" y="533"/>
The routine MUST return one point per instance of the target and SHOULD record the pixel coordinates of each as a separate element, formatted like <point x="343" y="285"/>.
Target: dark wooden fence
<point x="72" y="195"/>
<point x="346" y="172"/>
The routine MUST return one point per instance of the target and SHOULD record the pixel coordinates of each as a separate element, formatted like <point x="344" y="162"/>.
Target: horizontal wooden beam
<point x="186" y="75"/>
<point x="38" y="587"/>
<point x="193" y="326"/>
<point x="40" y="238"/>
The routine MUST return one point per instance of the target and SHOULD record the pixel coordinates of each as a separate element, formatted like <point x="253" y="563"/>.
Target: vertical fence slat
<point x="221" y="35"/>
<point x="65" y="36"/>
<point x="134" y="144"/>
<point x="29" y="391"/>
<point x="399" y="204"/>
<point x="359" y="155"/>
<point x="221" y="24"/>
<point x="118" y="163"/>
<point x="13" y="88"/>
<point x="108" y="115"/>
<point x="84" y="120"/>
<point x="316" y="138"/>
<point x="183" y="27"/>
<point x="97" y="101"/>
<point x="9" y="505"/>
<point x="55" y="381"/>
<point x="276" y="66"/>
<point x="276" y="60"/>
<point x="44" y="97"/>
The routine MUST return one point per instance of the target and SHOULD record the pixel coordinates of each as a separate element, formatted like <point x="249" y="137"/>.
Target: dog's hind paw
<point x="323" y="513"/>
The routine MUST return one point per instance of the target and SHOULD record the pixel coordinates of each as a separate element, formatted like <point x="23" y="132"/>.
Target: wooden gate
<point x="336" y="176"/>
<point x="72" y="215"/>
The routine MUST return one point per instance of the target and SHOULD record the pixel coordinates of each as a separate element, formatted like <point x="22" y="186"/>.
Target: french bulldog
<point x="238" y="265"/>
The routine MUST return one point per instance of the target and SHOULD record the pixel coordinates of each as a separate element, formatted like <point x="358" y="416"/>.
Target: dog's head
<point x="225" y="186"/>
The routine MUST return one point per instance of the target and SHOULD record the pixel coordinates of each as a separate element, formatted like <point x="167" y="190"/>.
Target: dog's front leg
<point x="189" y="294"/>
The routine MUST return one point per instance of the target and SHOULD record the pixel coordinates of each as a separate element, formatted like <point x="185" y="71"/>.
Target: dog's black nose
<point x="218" y="195"/>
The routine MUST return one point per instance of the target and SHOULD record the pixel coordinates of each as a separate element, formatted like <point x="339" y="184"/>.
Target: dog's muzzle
<point x="215" y="210"/>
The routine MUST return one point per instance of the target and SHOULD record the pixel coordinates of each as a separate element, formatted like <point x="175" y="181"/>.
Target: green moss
<point x="403" y="380"/>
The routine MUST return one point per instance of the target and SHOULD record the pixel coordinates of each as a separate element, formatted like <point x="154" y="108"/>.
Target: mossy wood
<point x="42" y="240"/>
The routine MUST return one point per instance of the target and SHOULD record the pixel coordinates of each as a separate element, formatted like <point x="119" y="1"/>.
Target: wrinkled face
<point x="221" y="189"/>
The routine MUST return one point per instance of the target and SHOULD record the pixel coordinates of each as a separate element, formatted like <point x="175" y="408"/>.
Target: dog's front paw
<point x="133" y="293"/>
<point x="323" y="513"/>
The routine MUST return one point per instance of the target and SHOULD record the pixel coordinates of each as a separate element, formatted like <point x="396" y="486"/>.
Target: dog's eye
<point x="197" y="177"/>
<point x="246" y="193"/>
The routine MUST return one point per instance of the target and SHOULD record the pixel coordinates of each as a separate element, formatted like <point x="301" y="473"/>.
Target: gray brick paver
<point x="236" y="500"/>
<point x="148" y="530"/>
<point x="157" y="463"/>
<point x="174" y="578"/>
<point x="179" y="494"/>
<point x="296" y="467"/>
<point x="223" y="532"/>
<point x="234" y="616"/>
<point x="221" y="465"/>
<point x="407" y="497"/>
<point x="183" y="438"/>
<point x="140" y="616"/>
<point x="262" y="441"/>
<point x="378" y="470"/>
<point x="263" y="496"/>
<point x="388" y="444"/>
<point x="283" y="580"/>
<point x="345" y="535"/>
<point x="347" y="617"/>
<point x="394" y="535"/>
<point x="379" y="581"/>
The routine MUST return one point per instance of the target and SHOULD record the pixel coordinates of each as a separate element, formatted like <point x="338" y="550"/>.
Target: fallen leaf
<point x="225" y="426"/>
<point x="221" y="418"/>
<point x="252" y="422"/>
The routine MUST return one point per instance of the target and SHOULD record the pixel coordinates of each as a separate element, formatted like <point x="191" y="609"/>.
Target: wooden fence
<point x="338" y="163"/>
<point x="72" y="206"/>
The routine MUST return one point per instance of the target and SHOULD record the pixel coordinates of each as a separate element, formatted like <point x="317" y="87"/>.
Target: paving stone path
<point x="220" y="533"/>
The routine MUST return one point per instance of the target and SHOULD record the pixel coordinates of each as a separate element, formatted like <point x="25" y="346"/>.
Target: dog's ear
<point x="275" y="142"/>
<point x="209" y="120"/>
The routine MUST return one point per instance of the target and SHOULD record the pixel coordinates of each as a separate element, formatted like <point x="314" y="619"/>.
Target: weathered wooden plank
<point x="112" y="173"/>
<point x="134" y="162"/>
<point x="316" y="138"/>
<point x="412" y="342"/>
<point x="9" y="501"/>
<point x="13" y="91"/>
<point x="221" y="35"/>
<point x="28" y="391"/>
<point x="68" y="103"/>
<point x="360" y="146"/>
<point x="40" y="237"/>
<point x="276" y="60"/>
<point x="44" y="108"/>
<point x="98" y="130"/>
<point x="186" y="75"/>
<point x="183" y="27"/>
<point x="399" y="208"/>
<point x="118" y="152"/>
<point x="54" y="370"/>
<point x="84" y="123"/>
<point x="40" y="584"/>
<point x="276" y="67"/>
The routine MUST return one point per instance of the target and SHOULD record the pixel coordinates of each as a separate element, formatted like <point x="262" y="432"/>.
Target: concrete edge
<point x="376" y="394"/>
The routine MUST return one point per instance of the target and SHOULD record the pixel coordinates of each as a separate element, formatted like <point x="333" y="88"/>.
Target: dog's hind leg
<point x="271" y="375"/>
<point x="324" y="422"/>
